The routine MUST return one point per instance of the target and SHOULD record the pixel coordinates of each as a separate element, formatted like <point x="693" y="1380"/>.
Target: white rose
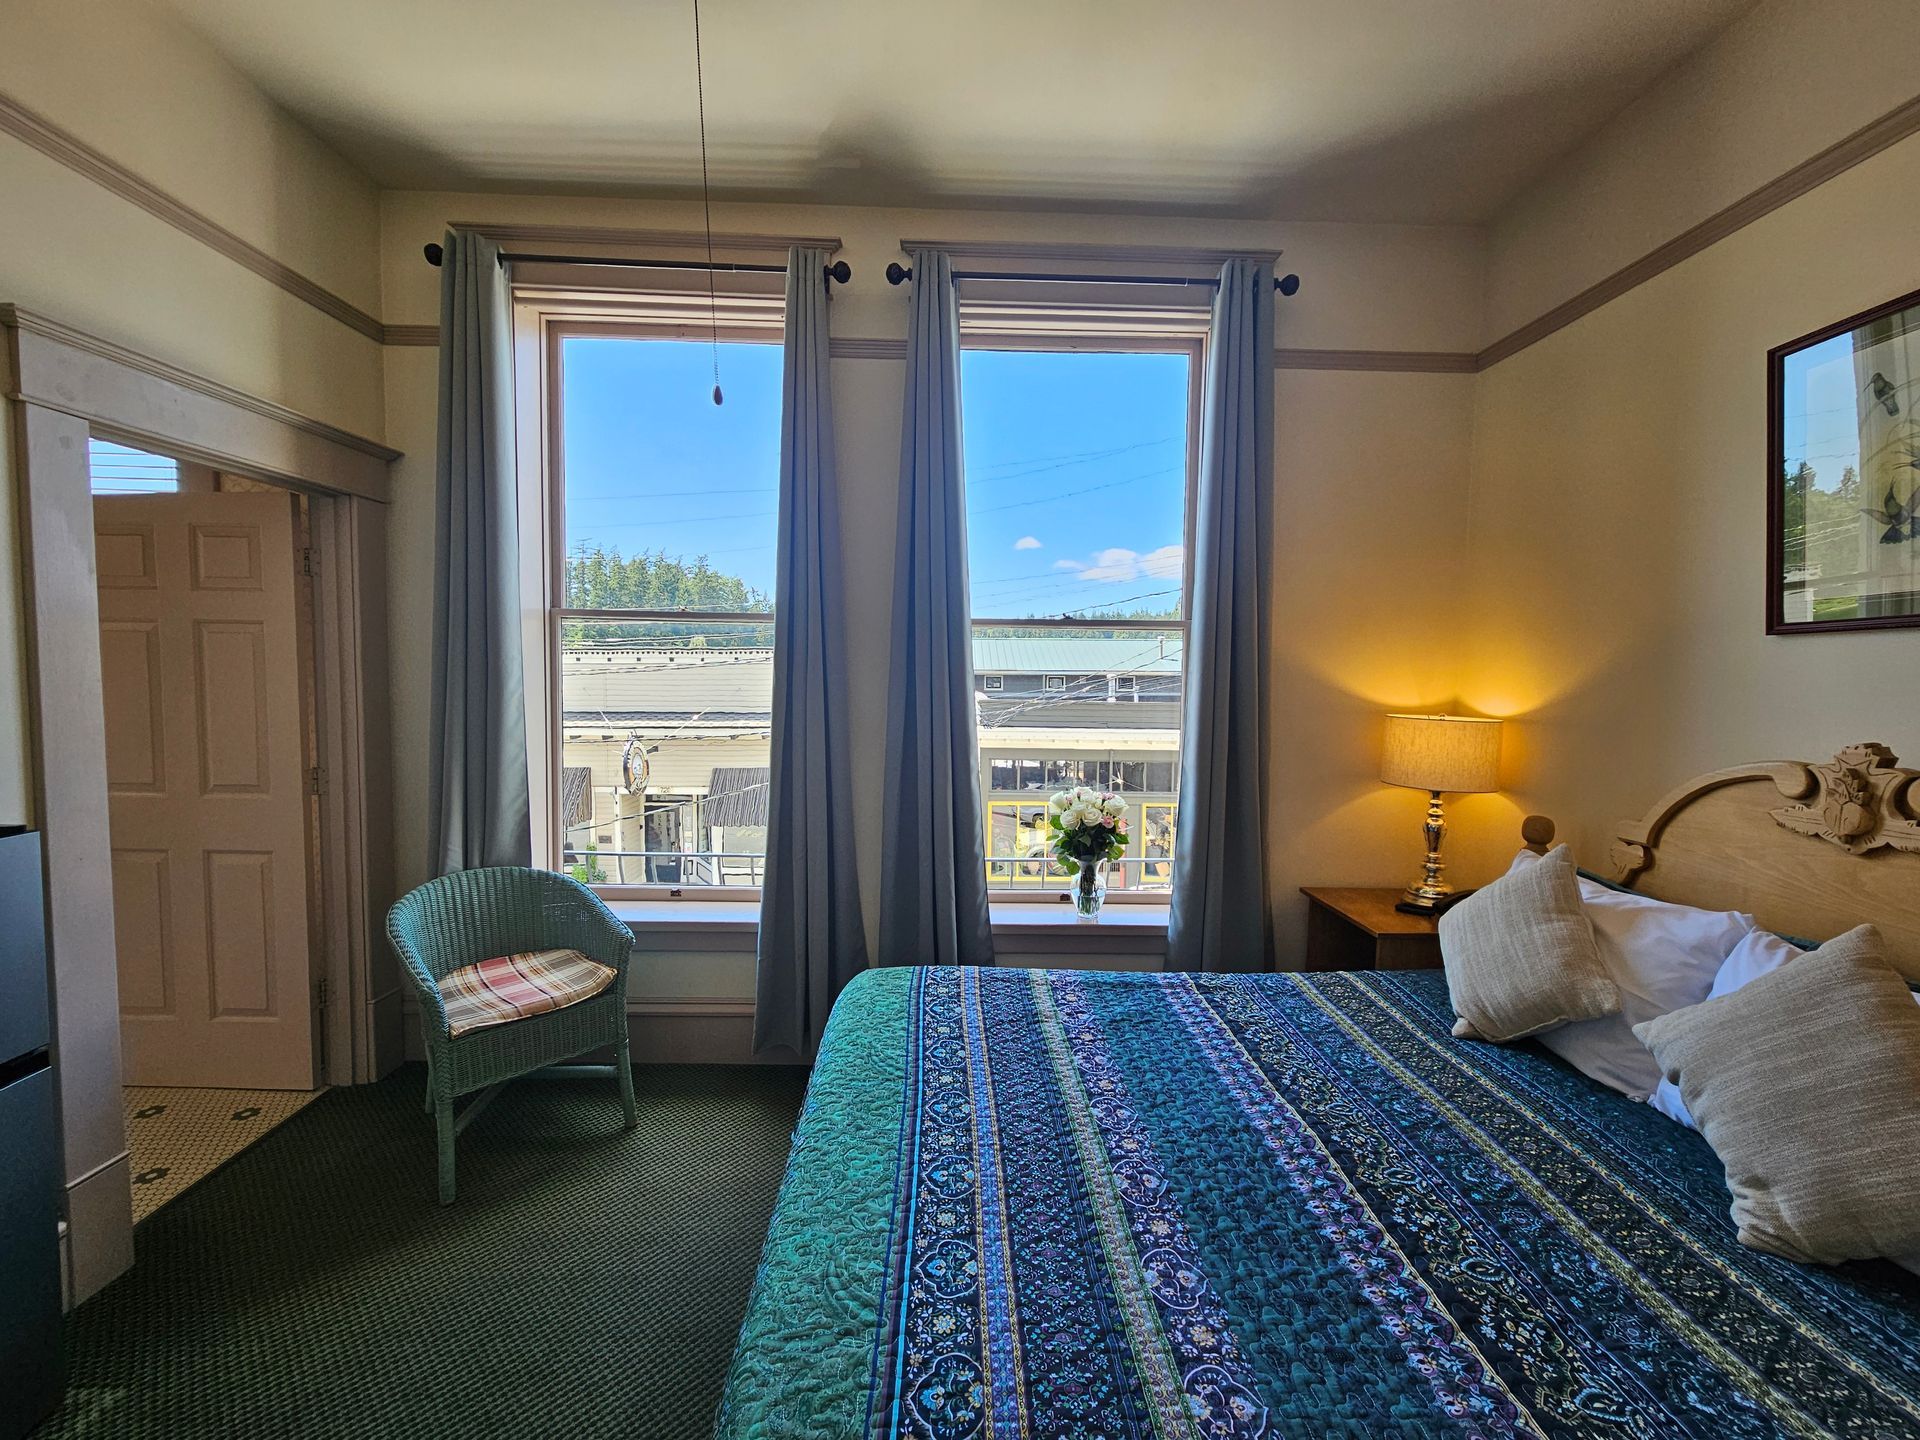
<point x="1070" y="820"/>
<point x="1114" y="805"/>
<point x="1059" y="802"/>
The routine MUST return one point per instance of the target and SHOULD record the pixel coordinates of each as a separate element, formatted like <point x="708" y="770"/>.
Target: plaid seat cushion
<point x="512" y="987"/>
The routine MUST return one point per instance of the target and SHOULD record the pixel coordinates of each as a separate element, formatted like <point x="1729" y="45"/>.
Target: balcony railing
<point x="702" y="868"/>
<point x="709" y="868"/>
<point x="1131" y="874"/>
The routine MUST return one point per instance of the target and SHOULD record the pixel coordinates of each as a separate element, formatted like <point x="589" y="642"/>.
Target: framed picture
<point x="1843" y="475"/>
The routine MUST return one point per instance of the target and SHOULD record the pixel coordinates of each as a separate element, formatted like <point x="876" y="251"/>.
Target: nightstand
<point x="1350" y="928"/>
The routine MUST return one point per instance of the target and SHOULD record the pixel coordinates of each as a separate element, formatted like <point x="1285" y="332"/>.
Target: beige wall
<point x="1372" y="467"/>
<point x="1620" y="465"/>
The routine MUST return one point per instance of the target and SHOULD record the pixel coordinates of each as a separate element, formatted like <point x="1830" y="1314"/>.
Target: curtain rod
<point x="898" y="274"/>
<point x="839" y="270"/>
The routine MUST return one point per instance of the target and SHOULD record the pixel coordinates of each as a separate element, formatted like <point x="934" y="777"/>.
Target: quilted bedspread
<point x="1065" y="1204"/>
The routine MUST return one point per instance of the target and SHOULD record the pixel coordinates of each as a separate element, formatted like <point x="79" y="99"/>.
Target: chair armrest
<point x="591" y="928"/>
<point x="414" y="966"/>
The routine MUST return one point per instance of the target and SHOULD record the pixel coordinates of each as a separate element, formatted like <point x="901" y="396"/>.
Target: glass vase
<point x="1090" y="889"/>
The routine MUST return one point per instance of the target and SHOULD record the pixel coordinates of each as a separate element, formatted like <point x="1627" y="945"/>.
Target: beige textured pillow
<point x="1520" y="955"/>
<point x="1806" y="1082"/>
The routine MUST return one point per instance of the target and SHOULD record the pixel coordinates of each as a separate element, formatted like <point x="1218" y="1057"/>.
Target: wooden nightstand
<point x="1349" y="928"/>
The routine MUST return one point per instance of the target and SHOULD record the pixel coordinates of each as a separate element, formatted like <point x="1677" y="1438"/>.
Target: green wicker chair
<point x="474" y="915"/>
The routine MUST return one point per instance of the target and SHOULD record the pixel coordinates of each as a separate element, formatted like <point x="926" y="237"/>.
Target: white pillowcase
<point x="1662" y="956"/>
<point x="1760" y="953"/>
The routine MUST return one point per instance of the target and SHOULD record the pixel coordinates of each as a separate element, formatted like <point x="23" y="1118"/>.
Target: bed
<point x="1074" y="1204"/>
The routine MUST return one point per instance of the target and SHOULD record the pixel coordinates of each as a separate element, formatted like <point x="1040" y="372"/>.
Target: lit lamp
<point x="1452" y="754"/>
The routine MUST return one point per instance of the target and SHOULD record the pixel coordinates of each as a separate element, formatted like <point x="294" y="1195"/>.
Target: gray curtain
<point x="812" y="936"/>
<point x="477" y="777"/>
<point x="933" y="895"/>
<point x="1221" y="919"/>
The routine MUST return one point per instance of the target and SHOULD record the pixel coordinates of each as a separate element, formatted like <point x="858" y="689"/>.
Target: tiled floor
<point x="179" y="1136"/>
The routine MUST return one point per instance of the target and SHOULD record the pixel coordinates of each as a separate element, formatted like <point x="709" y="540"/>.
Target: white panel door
<point x="199" y="662"/>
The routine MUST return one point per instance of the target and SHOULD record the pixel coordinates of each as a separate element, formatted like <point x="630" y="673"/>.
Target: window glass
<point x="1076" y="465"/>
<point x="667" y="505"/>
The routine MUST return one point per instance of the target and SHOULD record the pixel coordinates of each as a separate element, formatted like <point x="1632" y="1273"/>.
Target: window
<point x="122" y="470"/>
<point x="1078" y="474"/>
<point x="662" y="524"/>
<point x="993" y="684"/>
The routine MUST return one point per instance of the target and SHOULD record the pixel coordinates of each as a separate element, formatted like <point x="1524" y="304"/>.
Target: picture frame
<point x="1843" y="474"/>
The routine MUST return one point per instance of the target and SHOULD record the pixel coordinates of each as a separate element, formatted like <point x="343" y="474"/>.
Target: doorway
<point x="65" y="388"/>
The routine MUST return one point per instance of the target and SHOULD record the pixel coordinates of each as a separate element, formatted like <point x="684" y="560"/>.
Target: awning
<point x="576" y="807"/>
<point x="737" y="795"/>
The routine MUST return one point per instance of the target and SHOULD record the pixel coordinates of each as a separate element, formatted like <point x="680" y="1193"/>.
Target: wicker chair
<point x="474" y="915"/>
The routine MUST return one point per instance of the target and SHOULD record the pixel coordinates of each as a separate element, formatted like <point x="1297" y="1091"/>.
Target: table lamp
<point x="1453" y="754"/>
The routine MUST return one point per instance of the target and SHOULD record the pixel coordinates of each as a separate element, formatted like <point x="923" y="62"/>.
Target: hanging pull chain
<point x="706" y="200"/>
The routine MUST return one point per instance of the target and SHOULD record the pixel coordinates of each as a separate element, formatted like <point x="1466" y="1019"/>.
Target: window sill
<point x="731" y="924"/>
<point x="690" y="924"/>
<point x="1025" y="917"/>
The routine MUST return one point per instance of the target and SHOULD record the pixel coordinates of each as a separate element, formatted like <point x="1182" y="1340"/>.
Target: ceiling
<point x="1408" y="110"/>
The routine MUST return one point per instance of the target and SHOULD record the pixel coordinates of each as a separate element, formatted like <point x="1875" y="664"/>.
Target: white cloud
<point x="1165" y="563"/>
<point x="1115" y="566"/>
<point x="1027" y="542"/>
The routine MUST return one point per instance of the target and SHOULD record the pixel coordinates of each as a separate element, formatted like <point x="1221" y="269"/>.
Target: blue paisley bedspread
<point x="1109" y="1207"/>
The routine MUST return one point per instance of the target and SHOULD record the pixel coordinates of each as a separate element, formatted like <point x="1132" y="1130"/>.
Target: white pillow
<point x="1760" y="953"/>
<point x="1662" y="956"/>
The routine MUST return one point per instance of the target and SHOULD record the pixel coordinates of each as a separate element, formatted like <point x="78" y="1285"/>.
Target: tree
<point x="598" y="578"/>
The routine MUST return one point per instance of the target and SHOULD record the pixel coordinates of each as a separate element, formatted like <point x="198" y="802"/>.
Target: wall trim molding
<point x="61" y="145"/>
<point x="70" y="150"/>
<point x="1404" y="362"/>
<point x="1863" y="144"/>
<point x="888" y="347"/>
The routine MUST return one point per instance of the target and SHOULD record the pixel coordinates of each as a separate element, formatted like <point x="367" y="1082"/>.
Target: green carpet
<point x="589" y="1282"/>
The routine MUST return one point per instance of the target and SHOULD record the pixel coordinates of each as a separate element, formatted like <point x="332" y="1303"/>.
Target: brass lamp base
<point x="1430" y="892"/>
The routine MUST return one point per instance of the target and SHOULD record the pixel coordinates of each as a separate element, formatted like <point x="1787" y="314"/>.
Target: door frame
<point x="63" y="385"/>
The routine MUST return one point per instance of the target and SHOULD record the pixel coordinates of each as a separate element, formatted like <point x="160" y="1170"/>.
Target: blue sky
<point x="1075" y="467"/>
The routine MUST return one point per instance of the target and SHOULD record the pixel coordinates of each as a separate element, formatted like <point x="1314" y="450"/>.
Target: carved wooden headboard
<point x="1809" y="850"/>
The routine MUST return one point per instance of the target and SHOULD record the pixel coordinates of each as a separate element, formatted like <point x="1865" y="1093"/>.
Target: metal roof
<point x="1142" y="652"/>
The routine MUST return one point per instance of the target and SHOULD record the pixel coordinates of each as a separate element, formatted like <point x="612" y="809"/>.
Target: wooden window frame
<point x="1069" y="326"/>
<point x="545" y="317"/>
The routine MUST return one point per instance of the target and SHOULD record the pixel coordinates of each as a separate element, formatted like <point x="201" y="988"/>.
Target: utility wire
<point x="706" y="198"/>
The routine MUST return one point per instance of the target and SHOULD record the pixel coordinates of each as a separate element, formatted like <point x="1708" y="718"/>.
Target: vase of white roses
<point x="1087" y="828"/>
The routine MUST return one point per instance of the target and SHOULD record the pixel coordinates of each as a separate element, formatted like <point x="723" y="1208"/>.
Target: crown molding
<point x="70" y="150"/>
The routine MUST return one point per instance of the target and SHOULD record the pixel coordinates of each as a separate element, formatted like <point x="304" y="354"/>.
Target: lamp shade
<point x="1451" y="753"/>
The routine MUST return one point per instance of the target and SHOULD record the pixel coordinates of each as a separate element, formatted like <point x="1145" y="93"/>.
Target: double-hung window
<point x="660" y="523"/>
<point x="1080" y="454"/>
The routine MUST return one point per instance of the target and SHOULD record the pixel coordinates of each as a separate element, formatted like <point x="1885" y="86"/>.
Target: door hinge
<point x="308" y="564"/>
<point x="316" y="781"/>
<point x="320" y="999"/>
